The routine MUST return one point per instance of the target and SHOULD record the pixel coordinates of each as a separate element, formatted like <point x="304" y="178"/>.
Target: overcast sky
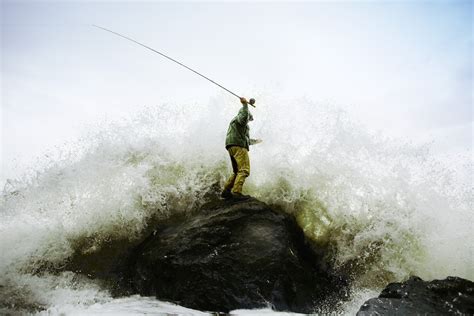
<point x="404" y="68"/>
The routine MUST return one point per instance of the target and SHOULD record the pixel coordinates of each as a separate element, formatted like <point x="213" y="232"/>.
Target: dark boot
<point x="226" y="194"/>
<point x="240" y="196"/>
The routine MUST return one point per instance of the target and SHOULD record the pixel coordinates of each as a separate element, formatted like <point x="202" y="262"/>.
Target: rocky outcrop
<point x="233" y="255"/>
<point x="451" y="296"/>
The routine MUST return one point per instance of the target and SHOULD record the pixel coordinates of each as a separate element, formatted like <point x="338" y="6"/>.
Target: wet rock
<point x="233" y="255"/>
<point x="451" y="296"/>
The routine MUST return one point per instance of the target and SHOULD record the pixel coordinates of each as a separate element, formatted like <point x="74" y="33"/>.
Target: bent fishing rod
<point x="251" y="101"/>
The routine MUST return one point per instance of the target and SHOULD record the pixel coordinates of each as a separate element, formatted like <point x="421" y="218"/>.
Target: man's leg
<point x="241" y="156"/>
<point x="230" y="182"/>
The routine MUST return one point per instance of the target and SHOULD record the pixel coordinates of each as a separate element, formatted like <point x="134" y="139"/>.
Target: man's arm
<point x="243" y="116"/>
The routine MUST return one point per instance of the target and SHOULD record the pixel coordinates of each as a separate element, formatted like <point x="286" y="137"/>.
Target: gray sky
<point x="404" y="68"/>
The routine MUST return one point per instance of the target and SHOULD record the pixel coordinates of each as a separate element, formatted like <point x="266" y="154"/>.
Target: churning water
<point x="385" y="208"/>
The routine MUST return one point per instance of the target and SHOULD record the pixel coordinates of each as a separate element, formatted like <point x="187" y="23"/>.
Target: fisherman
<point x="237" y="144"/>
<point x="237" y="141"/>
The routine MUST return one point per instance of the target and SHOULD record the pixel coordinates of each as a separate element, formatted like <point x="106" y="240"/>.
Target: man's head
<point x="252" y="102"/>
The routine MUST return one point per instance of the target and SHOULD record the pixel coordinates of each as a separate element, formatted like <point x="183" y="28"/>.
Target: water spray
<point x="251" y="101"/>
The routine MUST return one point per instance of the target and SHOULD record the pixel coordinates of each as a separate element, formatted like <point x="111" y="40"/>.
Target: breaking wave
<point x="385" y="208"/>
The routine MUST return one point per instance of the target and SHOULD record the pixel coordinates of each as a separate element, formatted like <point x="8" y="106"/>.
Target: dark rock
<point x="451" y="296"/>
<point x="233" y="255"/>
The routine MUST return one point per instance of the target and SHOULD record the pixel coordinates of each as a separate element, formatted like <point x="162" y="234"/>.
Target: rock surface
<point x="451" y="296"/>
<point x="233" y="255"/>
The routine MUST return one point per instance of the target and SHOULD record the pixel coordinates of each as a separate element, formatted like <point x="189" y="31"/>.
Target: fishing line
<point x="173" y="60"/>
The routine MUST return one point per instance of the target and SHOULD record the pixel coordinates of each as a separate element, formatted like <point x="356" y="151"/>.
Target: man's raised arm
<point x="243" y="116"/>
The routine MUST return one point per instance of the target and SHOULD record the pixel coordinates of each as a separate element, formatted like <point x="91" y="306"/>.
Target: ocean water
<point x="386" y="208"/>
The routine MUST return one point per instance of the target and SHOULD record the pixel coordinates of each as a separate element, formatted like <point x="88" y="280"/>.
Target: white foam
<point x="371" y="192"/>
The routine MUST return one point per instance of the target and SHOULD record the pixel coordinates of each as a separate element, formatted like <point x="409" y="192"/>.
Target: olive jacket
<point x="238" y="131"/>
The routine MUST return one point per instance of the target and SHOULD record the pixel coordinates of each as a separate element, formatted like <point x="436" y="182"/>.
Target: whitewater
<point x="386" y="208"/>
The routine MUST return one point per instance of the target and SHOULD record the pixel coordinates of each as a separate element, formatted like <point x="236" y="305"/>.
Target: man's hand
<point x="255" y="141"/>
<point x="243" y="101"/>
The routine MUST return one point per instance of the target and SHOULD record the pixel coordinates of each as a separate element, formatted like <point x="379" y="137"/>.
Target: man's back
<point x="238" y="131"/>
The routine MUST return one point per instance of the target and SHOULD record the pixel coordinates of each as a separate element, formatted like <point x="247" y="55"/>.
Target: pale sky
<point x="401" y="67"/>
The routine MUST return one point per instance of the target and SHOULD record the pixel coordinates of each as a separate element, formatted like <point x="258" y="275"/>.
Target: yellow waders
<point x="239" y="157"/>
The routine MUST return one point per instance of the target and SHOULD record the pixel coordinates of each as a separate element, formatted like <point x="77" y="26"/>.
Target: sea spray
<point x="385" y="207"/>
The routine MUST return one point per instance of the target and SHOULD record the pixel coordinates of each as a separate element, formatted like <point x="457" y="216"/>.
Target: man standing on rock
<point x="237" y="143"/>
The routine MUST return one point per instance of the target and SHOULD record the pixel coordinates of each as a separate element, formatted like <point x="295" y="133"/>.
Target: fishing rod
<point x="251" y="101"/>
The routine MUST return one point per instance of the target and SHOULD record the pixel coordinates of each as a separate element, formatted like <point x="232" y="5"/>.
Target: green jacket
<point x="238" y="132"/>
